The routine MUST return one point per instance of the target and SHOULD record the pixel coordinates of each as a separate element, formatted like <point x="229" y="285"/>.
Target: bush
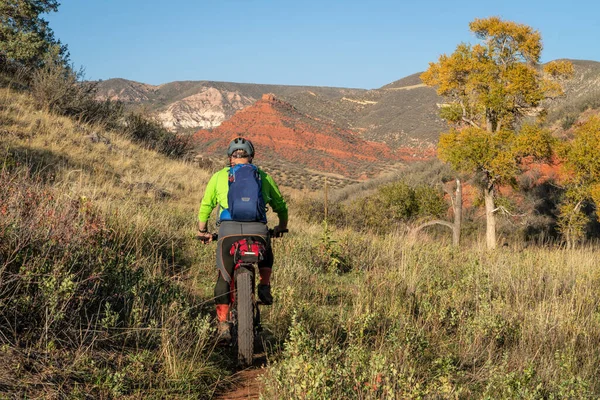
<point x="76" y="284"/>
<point x="60" y="90"/>
<point x="154" y="136"/>
<point x="568" y="122"/>
<point x="381" y="212"/>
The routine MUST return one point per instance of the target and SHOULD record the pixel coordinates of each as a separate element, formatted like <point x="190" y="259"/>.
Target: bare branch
<point x="505" y="211"/>
<point x="471" y="122"/>
<point x="431" y="223"/>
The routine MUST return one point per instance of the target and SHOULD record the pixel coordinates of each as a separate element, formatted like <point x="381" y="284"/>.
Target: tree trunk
<point x="490" y="217"/>
<point x="489" y="124"/>
<point x="457" y="208"/>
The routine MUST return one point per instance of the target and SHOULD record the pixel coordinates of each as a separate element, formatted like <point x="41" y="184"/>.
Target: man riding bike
<point x="240" y="152"/>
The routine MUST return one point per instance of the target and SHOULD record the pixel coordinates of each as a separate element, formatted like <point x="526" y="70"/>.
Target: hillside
<point x="200" y="104"/>
<point x="395" y="114"/>
<point x="98" y="297"/>
<point x="401" y="113"/>
<point x="104" y="293"/>
<point x="301" y="142"/>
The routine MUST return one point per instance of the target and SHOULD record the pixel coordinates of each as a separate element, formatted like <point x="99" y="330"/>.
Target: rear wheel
<point x="245" y="315"/>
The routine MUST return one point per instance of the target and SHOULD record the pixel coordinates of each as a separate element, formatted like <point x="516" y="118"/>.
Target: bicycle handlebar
<point x="279" y="234"/>
<point x="271" y="233"/>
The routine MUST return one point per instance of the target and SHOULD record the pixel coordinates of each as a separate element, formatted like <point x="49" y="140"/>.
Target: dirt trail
<point x="246" y="386"/>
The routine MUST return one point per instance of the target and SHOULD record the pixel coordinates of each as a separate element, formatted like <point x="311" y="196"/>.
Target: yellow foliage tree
<point x="490" y="87"/>
<point x="582" y="162"/>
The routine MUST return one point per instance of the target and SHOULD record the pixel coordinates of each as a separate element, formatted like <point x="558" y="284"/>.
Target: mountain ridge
<point x="401" y="113"/>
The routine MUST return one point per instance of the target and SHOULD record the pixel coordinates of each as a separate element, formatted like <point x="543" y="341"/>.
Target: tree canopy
<point x="25" y="36"/>
<point x="580" y="156"/>
<point x="493" y="84"/>
<point x="490" y="88"/>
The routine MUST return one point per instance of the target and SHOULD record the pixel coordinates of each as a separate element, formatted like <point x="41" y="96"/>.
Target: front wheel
<point x="245" y="315"/>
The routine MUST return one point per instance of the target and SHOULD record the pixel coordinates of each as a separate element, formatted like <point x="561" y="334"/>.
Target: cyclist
<point x="239" y="151"/>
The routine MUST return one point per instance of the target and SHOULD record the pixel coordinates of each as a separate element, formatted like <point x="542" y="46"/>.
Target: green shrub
<point x="430" y="201"/>
<point x="392" y="204"/>
<point x="61" y="90"/>
<point x="568" y="121"/>
<point x="153" y="135"/>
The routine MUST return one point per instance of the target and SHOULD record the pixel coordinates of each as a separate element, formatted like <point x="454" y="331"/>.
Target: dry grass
<point x="422" y="319"/>
<point x="356" y="315"/>
<point x="97" y="251"/>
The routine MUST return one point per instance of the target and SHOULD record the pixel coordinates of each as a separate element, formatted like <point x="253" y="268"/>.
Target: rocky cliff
<point x="402" y="113"/>
<point x="206" y="109"/>
<point x="285" y="137"/>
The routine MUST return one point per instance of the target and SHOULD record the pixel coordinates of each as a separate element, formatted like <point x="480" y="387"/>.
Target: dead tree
<point x="456" y="199"/>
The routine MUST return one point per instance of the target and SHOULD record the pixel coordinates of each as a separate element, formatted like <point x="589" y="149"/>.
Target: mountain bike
<point x="244" y="310"/>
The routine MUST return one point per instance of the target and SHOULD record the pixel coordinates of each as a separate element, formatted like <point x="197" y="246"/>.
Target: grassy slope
<point x="104" y="263"/>
<point x="409" y="320"/>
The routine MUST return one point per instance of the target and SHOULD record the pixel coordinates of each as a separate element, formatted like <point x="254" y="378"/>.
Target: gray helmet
<point x="240" y="143"/>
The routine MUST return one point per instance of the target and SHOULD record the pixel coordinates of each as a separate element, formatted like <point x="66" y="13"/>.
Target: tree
<point x="580" y="159"/>
<point x="490" y="89"/>
<point x="25" y="36"/>
<point x="457" y="201"/>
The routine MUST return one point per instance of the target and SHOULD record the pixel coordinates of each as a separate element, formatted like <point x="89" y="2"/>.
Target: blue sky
<point x="361" y="44"/>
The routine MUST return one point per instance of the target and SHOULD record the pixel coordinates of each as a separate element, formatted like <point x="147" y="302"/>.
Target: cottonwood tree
<point x="581" y="160"/>
<point x="490" y="88"/>
<point x="25" y="36"/>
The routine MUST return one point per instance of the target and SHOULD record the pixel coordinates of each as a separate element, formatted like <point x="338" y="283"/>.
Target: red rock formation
<point x="281" y="133"/>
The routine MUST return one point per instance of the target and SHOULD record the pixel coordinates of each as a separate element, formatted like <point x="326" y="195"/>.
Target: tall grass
<point x="97" y="265"/>
<point x="425" y="320"/>
<point x="104" y="292"/>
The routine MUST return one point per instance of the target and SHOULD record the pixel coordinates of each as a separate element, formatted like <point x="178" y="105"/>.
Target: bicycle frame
<point x="244" y="313"/>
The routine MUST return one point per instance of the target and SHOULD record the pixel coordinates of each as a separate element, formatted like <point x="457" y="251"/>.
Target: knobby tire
<point x="245" y="315"/>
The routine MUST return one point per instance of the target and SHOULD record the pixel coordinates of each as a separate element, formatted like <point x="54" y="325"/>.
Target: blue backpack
<point x="245" y="200"/>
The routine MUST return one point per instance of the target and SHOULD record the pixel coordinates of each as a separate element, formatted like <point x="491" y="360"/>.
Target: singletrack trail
<point x="245" y="386"/>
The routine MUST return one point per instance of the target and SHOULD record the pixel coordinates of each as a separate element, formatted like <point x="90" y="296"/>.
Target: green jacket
<point x="218" y="186"/>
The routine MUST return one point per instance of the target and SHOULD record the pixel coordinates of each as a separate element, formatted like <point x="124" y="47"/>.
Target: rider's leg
<point x="223" y="287"/>
<point x="265" y="268"/>
<point x="222" y="306"/>
<point x="265" y="276"/>
<point x="222" y="312"/>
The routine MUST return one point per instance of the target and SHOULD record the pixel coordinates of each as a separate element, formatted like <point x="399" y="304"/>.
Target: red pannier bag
<point x="248" y="250"/>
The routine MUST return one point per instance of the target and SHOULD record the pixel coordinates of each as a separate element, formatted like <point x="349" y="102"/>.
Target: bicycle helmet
<point x="240" y="143"/>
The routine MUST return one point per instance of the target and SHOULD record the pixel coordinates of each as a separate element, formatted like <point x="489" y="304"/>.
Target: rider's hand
<point x="206" y="237"/>
<point x="278" y="231"/>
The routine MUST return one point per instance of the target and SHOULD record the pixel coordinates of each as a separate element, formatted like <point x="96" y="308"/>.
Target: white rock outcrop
<point x="204" y="110"/>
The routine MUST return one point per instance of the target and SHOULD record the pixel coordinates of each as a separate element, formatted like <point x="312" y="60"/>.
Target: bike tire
<point x="245" y="316"/>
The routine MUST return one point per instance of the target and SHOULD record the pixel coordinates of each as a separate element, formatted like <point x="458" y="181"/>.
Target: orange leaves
<point x="559" y="69"/>
<point x="450" y="73"/>
<point x="490" y="87"/>
<point x="554" y="73"/>
<point x="532" y="141"/>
